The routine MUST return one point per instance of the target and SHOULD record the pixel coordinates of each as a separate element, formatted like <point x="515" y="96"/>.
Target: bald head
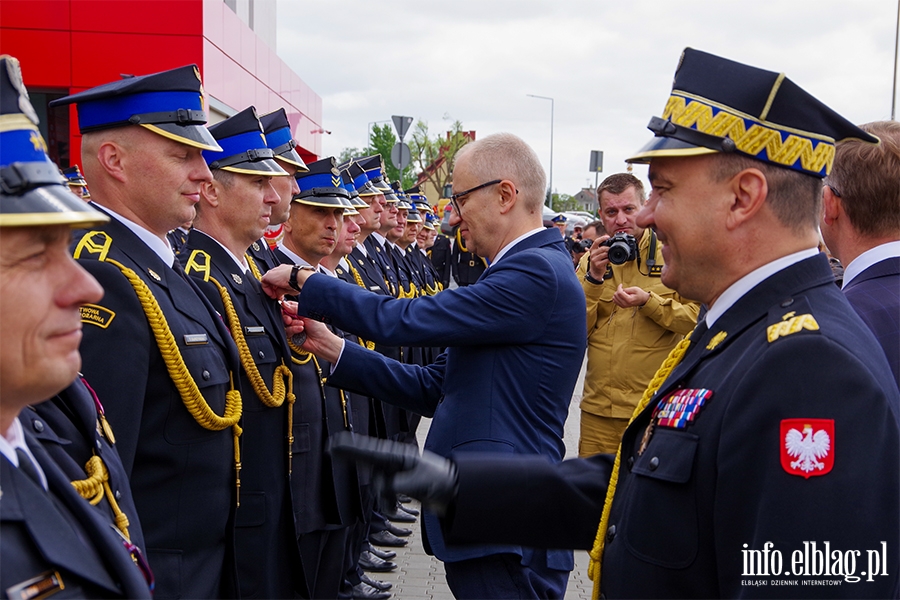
<point x="507" y="156"/>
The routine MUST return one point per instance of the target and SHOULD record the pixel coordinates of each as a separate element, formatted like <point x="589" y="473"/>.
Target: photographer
<point x="633" y="320"/>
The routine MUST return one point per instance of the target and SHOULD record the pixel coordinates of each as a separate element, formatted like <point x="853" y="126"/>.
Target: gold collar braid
<point x="282" y="379"/>
<point x="253" y="268"/>
<point x="95" y="486"/>
<point x="662" y="373"/>
<point x="193" y="400"/>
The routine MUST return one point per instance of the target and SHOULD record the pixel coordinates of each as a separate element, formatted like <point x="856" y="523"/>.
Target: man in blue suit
<point x="515" y="340"/>
<point x="861" y="226"/>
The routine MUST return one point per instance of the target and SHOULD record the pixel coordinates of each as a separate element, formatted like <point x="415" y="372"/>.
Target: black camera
<point x="579" y="246"/>
<point x="622" y="248"/>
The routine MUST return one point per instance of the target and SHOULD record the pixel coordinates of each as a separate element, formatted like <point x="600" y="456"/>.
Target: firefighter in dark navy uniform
<point x="465" y="266"/>
<point x="764" y="453"/>
<point x="67" y="519"/>
<point x="277" y="130"/>
<point x="327" y="503"/>
<point x="158" y="355"/>
<point x="232" y="214"/>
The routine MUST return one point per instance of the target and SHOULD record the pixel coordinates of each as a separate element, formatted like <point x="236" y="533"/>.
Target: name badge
<point x="41" y="586"/>
<point x="195" y="339"/>
<point x="254" y="331"/>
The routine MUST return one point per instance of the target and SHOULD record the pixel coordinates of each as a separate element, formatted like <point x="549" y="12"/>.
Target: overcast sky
<point x="608" y="65"/>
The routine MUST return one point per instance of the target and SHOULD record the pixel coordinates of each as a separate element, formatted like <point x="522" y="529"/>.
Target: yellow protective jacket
<point x="627" y="345"/>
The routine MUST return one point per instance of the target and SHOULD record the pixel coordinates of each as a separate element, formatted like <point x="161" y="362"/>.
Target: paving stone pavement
<point x="420" y="577"/>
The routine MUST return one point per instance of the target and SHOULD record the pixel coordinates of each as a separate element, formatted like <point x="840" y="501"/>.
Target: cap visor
<point x="291" y="157"/>
<point x="266" y="166"/>
<point x="660" y="147"/>
<point x="192" y="135"/>
<point x="324" y="201"/>
<point x="358" y="202"/>
<point x="368" y="190"/>
<point x="48" y="205"/>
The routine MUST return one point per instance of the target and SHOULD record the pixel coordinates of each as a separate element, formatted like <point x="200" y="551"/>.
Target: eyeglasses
<point x="454" y="198"/>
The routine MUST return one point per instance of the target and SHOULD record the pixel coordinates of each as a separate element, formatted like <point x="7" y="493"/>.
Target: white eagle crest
<point x="806" y="447"/>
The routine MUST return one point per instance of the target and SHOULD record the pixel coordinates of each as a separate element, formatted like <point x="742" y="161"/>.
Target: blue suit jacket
<point x="875" y="295"/>
<point x="516" y="342"/>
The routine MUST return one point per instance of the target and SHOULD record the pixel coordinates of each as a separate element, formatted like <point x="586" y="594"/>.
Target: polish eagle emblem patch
<point x="807" y="446"/>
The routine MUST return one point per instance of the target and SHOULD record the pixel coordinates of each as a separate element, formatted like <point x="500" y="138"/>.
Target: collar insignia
<point x="154" y="275"/>
<point x="237" y="278"/>
<point x="717" y="339"/>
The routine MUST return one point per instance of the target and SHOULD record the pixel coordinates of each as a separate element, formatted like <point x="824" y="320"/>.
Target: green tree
<point x="381" y="142"/>
<point x="427" y="150"/>
<point x="563" y="202"/>
<point x="348" y="153"/>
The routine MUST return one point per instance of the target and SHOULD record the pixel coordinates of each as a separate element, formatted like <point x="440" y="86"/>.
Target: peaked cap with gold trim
<point x="277" y="129"/>
<point x="718" y="105"/>
<point x="169" y="103"/>
<point x="32" y="190"/>
<point x="322" y="185"/>
<point x="243" y="145"/>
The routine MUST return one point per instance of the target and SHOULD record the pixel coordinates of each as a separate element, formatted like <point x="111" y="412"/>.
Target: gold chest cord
<point x="193" y="400"/>
<point x="282" y="379"/>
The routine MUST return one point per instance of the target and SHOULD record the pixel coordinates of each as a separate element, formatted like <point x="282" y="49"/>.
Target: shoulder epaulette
<point x="200" y="262"/>
<point x="89" y="243"/>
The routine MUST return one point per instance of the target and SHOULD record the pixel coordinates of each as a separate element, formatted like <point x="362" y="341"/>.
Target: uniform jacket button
<point x="630" y="462"/>
<point x="262" y="354"/>
<point x="118" y="495"/>
<point x="38" y="426"/>
<point x="611" y="533"/>
<point x="654" y="462"/>
<point x="205" y="375"/>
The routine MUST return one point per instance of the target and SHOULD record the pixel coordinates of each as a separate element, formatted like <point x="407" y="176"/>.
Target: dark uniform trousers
<point x="55" y="541"/>
<point x="699" y="498"/>
<point x="182" y="474"/>
<point x="325" y="492"/>
<point x="269" y="564"/>
<point x="69" y="428"/>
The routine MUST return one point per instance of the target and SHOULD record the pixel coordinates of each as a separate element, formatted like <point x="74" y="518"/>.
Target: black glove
<point x="429" y="478"/>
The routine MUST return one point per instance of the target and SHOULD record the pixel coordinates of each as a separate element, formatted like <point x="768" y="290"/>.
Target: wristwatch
<point x="296" y="269"/>
<point x="589" y="279"/>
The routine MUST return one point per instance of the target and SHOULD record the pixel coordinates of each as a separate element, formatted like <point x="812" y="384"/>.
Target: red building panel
<point x="45" y="55"/>
<point x="101" y="57"/>
<point x="71" y="45"/>
<point x="34" y="14"/>
<point x="172" y="17"/>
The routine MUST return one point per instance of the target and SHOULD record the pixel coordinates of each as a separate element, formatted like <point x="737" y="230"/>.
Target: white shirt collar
<point x="869" y="258"/>
<point x="362" y="248"/>
<point x="15" y="438"/>
<point x="240" y="262"/>
<point x="160" y="246"/>
<point x="293" y="255"/>
<point x="379" y="239"/>
<point x="509" y="246"/>
<point x="326" y="271"/>
<point x="344" y="263"/>
<point x="746" y="283"/>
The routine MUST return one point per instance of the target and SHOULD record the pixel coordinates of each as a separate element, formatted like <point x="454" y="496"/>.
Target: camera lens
<point x="618" y="253"/>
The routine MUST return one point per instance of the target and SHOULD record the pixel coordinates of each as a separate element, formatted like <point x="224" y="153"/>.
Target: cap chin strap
<point x="666" y="128"/>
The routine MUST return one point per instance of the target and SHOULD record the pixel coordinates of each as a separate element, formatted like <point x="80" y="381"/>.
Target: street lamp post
<point x="550" y="185"/>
